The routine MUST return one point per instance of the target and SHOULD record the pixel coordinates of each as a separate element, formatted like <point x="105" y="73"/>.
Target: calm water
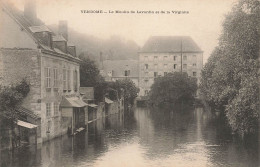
<point x="144" y="138"/>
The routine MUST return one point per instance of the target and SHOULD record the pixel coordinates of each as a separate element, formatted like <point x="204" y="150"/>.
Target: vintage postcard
<point x="140" y="83"/>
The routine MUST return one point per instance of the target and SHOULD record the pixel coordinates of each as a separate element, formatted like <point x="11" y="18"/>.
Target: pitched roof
<point x="58" y="38"/>
<point x="161" y="44"/>
<point x="119" y="66"/>
<point x="24" y="111"/>
<point x="31" y="27"/>
<point x="41" y="28"/>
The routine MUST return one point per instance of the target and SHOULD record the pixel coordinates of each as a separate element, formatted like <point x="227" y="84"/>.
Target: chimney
<point x="30" y="10"/>
<point x="63" y="29"/>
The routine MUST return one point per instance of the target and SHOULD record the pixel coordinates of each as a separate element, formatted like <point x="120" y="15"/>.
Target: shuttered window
<point x="48" y="110"/>
<point x="64" y="79"/>
<point x="69" y="80"/>
<point x="47" y="74"/>
<point x="56" y="108"/>
<point x="55" y="77"/>
<point x="75" y="80"/>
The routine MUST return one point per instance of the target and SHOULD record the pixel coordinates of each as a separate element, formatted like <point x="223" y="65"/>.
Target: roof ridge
<point x="161" y="44"/>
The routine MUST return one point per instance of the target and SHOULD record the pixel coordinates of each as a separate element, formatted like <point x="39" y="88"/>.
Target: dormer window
<point x="43" y="34"/>
<point x="60" y="43"/>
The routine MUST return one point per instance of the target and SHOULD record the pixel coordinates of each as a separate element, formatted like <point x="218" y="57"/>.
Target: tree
<point x="125" y="87"/>
<point x="11" y="98"/>
<point x="230" y="78"/>
<point x="90" y="77"/>
<point x="172" y="88"/>
<point x="89" y="73"/>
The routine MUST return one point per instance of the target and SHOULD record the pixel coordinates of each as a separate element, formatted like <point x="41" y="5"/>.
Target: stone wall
<point x="19" y="64"/>
<point x="54" y="94"/>
<point x="113" y="108"/>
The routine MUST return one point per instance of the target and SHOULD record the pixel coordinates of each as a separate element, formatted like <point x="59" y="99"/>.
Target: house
<point x="163" y="54"/>
<point x="30" y="50"/>
<point x="114" y="70"/>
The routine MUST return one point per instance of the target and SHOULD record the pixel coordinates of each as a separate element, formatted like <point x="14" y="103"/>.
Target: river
<point x="145" y="138"/>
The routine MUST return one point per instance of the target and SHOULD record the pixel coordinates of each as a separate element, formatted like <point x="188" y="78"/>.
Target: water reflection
<point x="144" y="137"/>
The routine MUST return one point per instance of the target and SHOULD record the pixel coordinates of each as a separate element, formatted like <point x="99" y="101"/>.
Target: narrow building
<point x="163" y="54"/>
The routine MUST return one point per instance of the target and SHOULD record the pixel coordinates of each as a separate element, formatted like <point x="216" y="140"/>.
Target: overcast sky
<point x="203" y="23"/>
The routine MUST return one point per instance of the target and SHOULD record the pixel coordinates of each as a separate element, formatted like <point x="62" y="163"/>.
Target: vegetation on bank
<point x="230" y="77"/>
<point x="11" y="98"/>
<point x="90" y="77"/>
<point x="173" y="88"/>
<point x="125" y="88"/>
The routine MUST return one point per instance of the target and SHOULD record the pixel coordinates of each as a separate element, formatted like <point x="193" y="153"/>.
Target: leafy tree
<point x="172" y="88"/>
<point x="11" y="98"/>
<point x="89" y="73"/>
<point x="90" y="77"/>
<point x="229" y="79"/>
<point x="125" y="87"/>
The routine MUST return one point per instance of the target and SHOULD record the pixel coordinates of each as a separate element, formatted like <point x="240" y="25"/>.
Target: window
<point x="48" y="109"/>
<point x="184" y="57"/>
<point x="185" y="66"/>
<point x="48" y="77"/>
<point x="56" y="109"/>
<point x="156" y="67"/>
<point x="75" y="80"/>
<point x="146" y="92"/>
<point x="194" y="64"/>
<point x="64" y="79"/>
<point x="174" y="58"/>
<point x="146" y="66"/>
<point x="48" y="128"/>
<point x="55" y="77"/>
<point x="69" y="82"/>
<point x="127" y="73"/>
<point x="175" y="66"/>
<point x="165" y="65"/>
<point x="155" y="74"/>
<point x="194" y="74"/>
<point x="165" y="73"/>
<point x="155" y="58"/>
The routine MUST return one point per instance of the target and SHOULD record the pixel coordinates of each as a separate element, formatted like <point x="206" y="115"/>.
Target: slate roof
<point x="32" y="27"/>
<point x="119" y="67"/>
<point x="162" y="44"/>
<point x="41" y="28"/>
<point x="58" y="38"/>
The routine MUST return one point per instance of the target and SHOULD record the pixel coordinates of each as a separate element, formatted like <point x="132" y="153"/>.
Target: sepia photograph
<point x="140" y="83"/>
